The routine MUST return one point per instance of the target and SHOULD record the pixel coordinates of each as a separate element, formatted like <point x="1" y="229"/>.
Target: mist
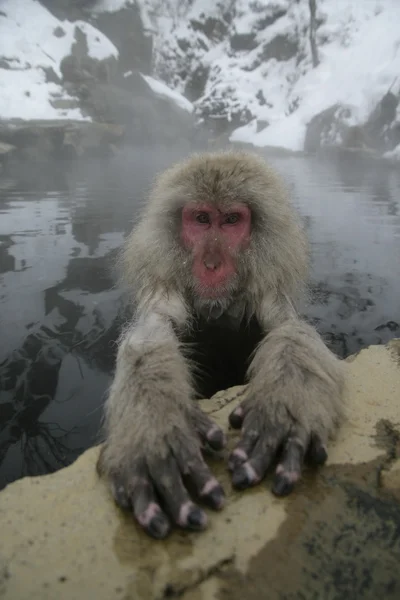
<point x="98" y="97"/>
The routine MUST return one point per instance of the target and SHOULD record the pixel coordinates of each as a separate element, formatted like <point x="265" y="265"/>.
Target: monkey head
<point x="215" y="236"/>
<point x="217" y="224"/>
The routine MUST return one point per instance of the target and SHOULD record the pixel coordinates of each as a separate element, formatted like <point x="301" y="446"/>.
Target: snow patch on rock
<point x="163" y="90"/>
<point x="254" y="64"/>
<point x="32" y="40"/>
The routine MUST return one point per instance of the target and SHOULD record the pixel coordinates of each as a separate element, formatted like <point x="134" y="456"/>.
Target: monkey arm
<point x="153" y="429"/>
<point x="294" y="402"/>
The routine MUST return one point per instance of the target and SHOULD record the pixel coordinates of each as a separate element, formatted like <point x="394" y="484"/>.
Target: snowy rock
<point x="335" y="536"/>
<point x="44" y="140"/>
<point x="68" y="69"/>
<point x="6" y="152"/>
<point x="284" y="64"/>
<point x="33" y="44"/>
<point x="294" y="75"/>
<point x="123" y="23"/>
<point x="326" y="129"/>
<point x="6" y="149"/>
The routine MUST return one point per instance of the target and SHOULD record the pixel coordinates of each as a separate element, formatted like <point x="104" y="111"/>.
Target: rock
<point x="383" y="126"/>
<point x="6" y="152"/>
<point x="79" y="67"/>
<point x="44" y="140"/>
<point x="280" y="47"/>
<point x="196" y="83"/>
<point x="124" y="27"/>
<point x="69" y="9"/>
<point x="62" y="536"/>
<point x="214" y="28"/>
<point x="146" y="117"/>
<point x="107" y="93"/>
<point x="243" y="41"/>
<point x="271" y="14"/>
<point x="6" y="149"/>
<point x="324" y="129"/>
<point x="356" y="138"/>
<point x="380" y="133"/>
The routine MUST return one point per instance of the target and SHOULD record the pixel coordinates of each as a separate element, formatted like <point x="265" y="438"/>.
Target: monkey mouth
<point x="214" y="287"/>
<point x="212" y="293"/>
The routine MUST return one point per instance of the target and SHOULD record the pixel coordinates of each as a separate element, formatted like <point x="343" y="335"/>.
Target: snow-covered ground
<point x="360" y="62"/>
<point x="30" y="41"/>
<point x="359" y="51"/>
<point x="358" y="45"/>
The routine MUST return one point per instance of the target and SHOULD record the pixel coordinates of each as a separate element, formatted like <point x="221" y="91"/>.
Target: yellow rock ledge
<point x="336" y="536"/>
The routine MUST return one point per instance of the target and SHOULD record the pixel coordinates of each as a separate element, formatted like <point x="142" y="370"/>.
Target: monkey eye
<point x="202" y="217"/>
<point x="232" y="219"/>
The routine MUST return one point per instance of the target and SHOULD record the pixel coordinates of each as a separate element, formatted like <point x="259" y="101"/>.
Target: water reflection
<point x="60" y="312"/>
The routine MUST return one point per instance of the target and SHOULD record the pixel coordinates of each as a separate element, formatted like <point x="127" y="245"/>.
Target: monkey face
<point x="215" y="237"/>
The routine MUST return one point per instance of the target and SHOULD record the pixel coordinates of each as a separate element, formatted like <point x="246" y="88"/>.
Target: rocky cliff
<point x="298" y="74"/>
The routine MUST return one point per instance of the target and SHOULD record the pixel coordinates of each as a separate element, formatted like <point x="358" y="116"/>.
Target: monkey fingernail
<point x="192" y="516"/>
<point x="216" y="438"/>
<point x="236" y="418"/>
<point x="215" y="498"/>
<point x="197" y="519"/>
<point x="244" y="477"/>
<point x="158" y="527"/>
<point x="317" y="454"/>
<point x="284" y="482"/>
<point x="120" y="495"/>
<point x="153" y="520"/>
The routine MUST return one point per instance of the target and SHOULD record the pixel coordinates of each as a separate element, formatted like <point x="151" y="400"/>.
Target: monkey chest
<point x="221" y="351"/>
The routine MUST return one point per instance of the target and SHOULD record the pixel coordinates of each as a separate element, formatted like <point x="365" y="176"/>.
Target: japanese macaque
<point x="216" y="266"/>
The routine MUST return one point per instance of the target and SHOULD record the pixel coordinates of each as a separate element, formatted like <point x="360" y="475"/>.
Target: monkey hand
<point x="160" y="457"/>
<point x="269" y="426"/>
<point x="294" y="404"/>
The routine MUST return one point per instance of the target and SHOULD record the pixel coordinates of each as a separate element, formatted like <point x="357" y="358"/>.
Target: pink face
<point x="215" y="238"/>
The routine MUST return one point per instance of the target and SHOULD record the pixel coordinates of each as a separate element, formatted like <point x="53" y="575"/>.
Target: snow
<point x="28" y="43"/>
<point x="163" y="90"/>
<point x="110" y="5"/>
<point x="358" y="45"/>
<point x="26" y="95"/>
<point x="359" y="63"/>
<point x="359" y="52"/>
<point x="393" y="154"/>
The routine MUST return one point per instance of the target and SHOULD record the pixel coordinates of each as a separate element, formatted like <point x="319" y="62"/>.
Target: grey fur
<point x="295" y="382"/>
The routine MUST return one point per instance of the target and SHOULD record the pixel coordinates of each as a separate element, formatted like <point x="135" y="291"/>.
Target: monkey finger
<point x="244" y="448"/>
<point x="289" y="468"/>
<point x="316" y="453"/>
<point x="168" y="482"/>
<point x="208" y="431"/>
<point x="146" y="509"/>
<point x="206" y="485"/>
<point x="237" y="416"/>
<point x="120" y="492"/>
<point x="253" y="470"/>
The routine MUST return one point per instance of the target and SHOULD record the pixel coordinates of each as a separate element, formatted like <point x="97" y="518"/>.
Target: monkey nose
<point x="212" y="264"/>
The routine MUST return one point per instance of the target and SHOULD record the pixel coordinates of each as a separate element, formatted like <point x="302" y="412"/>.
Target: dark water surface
<point x="59" y="230"/>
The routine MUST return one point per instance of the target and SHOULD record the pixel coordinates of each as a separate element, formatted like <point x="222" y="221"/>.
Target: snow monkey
<point x="215" y="266"/>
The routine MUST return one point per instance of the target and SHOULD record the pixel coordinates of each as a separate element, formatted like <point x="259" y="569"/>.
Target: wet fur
<point x="292" y="375"/>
